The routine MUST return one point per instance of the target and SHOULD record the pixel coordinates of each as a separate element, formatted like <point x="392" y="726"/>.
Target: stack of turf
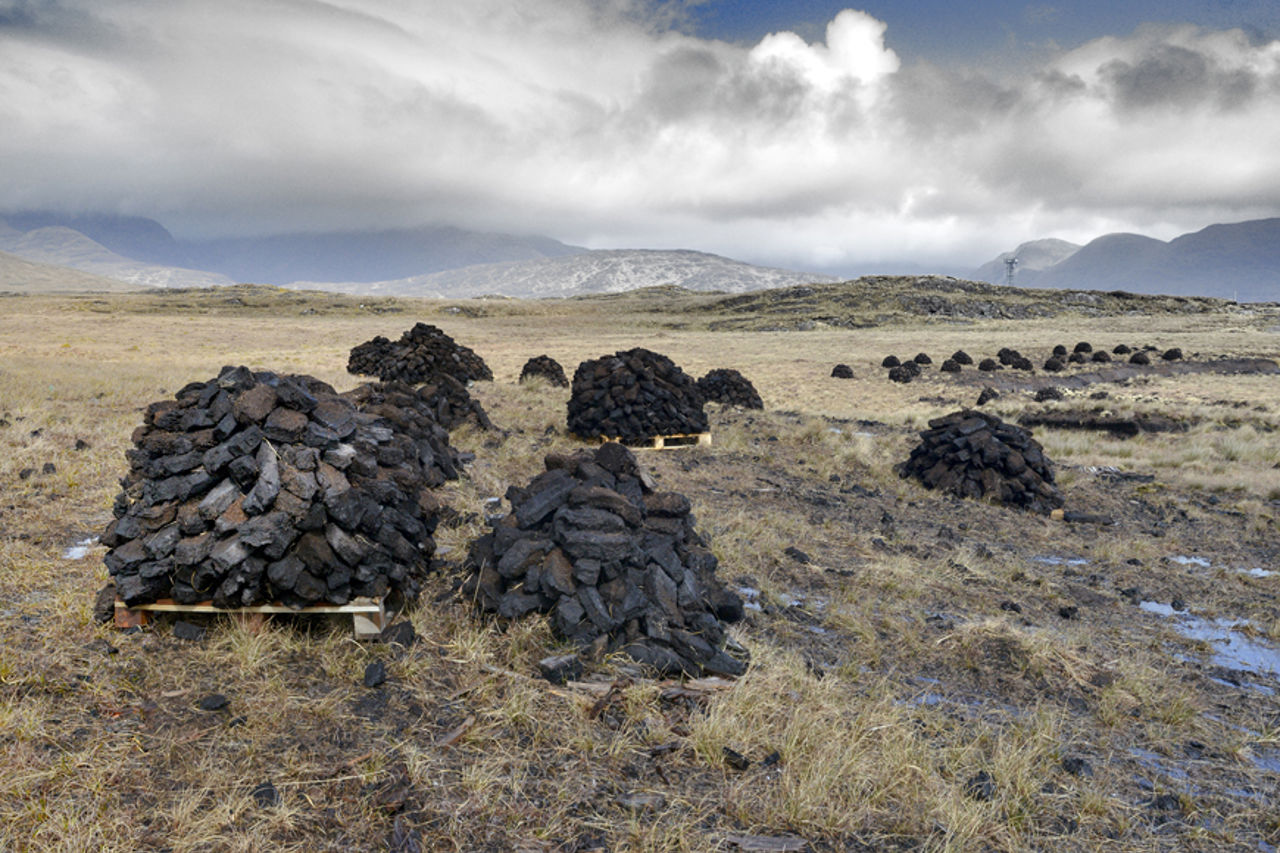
<point x="368" y="358"/>
<point x="975" y="455"/>
<point x="728" y="386"/>
<point x="445" y="397"/>
<point x="421" y="355"/>
<point x="254" y="487"/>
<point x="544" y="367"/>
<point x="634" y="395"/>
<point x="616" y="565"/>
<point x="1012" y="358"/>
<point x="905" y="372"/>
<point x="418" y="409"/>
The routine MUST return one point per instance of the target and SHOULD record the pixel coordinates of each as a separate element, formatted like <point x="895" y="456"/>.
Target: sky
<point x="809" y="135"/>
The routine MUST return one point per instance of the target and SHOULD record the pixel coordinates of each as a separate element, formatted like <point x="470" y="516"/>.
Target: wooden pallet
<point x="368" y="615"/>
<point x="661" y="442"/>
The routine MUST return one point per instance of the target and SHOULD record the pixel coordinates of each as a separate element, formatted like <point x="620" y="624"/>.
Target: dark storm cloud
<point x="1174" y="76"/>
<point x="600" y="121"/>
<point x="56" y="23"/>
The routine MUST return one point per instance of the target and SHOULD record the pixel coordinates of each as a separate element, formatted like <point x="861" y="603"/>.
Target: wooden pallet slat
<point x="659" y="442"/>
<point x="697" y="439"/>
<point x="368" y="615"/>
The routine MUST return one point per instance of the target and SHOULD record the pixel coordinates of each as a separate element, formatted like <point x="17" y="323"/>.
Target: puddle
<point x="1236" y="726"/>
<point x="1183" y="560"/>
<point x="1256" y="573"/>
<point x="1175" y="776"/>
<point x="1251" y="685"/>
<point x="1268" y="761"/>
<point x="1156" y="763"/>
<point x="751" y="601"/>
<point x="750" y="598"/>
<point x="80" y="550"/>
<point x="1231" y="649"/>
<point x="1054" y="560"/>
<point x="969" y="707"/>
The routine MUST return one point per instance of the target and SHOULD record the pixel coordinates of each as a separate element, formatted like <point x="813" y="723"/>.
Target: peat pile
<point x="728" y="386"/>
<point x="905" y="372"/>
<point x="974" y="455"/>
<point x="444" y="399"/>
<point x="634" y="395"/>
<point x="544" y="367"/>
<point x="368" y="358"/>
<point x="422" y="354"/>
<point x="255" y="487"/>
<point x="422" y="411"/>
<point x="616" y="565"/>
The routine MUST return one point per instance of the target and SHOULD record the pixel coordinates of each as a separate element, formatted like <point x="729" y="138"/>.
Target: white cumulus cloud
<point x="596" y="121"/>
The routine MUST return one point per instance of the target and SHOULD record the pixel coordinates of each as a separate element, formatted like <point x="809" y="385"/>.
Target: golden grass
<point x="891" y="683"/>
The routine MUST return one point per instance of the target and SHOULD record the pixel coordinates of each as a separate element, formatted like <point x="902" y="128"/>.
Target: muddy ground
<point x="1171" y="578"/>
<point x="1032" y="683"/>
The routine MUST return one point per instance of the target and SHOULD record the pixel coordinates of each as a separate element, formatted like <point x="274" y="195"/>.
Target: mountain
<point x="598" y="271"/>
<point x="354" y="256"/>
<point x="365" y="256"/>
<point x="1238" y="261"/>
<point x="1098" y="260"/>
<point x="19" y="275"/>
<point x="427" y="261"/>
<point x="66" y="247"/>
<point x="132" y="236"/>
<point x="1033" y="257"/>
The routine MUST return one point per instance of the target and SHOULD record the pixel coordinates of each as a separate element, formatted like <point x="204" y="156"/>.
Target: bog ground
<point x="927" y="672"/>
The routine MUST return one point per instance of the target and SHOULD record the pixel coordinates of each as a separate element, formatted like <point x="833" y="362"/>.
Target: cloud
<point x="600" y="121"/>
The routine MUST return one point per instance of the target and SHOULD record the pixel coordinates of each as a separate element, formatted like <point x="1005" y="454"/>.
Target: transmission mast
<point x="1010" y="264"/>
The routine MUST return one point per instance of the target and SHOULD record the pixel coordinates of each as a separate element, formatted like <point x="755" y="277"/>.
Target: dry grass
<point x="885" y="674"/>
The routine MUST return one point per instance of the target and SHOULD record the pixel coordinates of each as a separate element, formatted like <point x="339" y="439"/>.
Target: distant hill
<point x="19" y="275"/>
<point x="66" y="247"/>
<point x="880" y="299"/>
<point x="1234" y="261"/>
<point x="588" y="272"/>
<point x="365" y="256"/>
<point x="132" y="236"/>
<point x="1033" y="257"/>
<point x="352" y="256"/>
<point x="1231" y="261"/>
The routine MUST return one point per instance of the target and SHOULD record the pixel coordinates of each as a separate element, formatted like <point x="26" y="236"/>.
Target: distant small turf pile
<point x="728" y="386"/>
<point x="976" y="455"/>
<point x="544" y="367"/>
<point x="422" y="354"/>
